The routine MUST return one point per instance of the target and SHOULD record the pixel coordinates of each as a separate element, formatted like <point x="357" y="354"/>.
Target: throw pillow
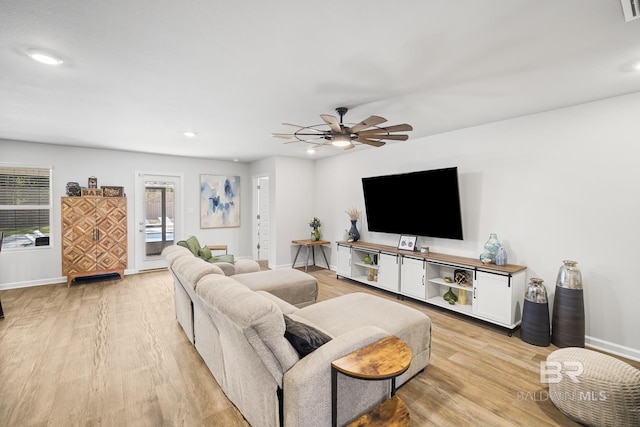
<point x="222" y="258"/>
<point x="304" y="338"/>
<point x="193" y="245"/>
<point x="205" y="253"/>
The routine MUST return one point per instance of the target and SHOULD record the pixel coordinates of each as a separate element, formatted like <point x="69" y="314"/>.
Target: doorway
<point x="262" y="223"/>
<point x="158" y="217"/>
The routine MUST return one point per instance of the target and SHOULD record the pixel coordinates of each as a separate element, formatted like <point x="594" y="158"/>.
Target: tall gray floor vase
<point x="535" y="328"/>
<point x="567" y="326"/>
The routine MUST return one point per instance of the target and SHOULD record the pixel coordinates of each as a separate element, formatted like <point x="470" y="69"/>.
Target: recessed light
<point x="311" y="151"/>
<point x="189" y="134"/>
<point x="44" y="57"/>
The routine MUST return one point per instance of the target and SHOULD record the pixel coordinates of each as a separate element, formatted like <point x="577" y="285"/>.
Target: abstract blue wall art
<point x="219" y="201"/>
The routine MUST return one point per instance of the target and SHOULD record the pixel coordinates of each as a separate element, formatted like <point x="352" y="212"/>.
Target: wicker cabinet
<point x="94" y="236"/>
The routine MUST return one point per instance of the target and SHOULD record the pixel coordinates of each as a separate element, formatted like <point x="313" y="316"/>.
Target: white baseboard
<point x="609" y="347"/>
<point x="42" y="282"/>
<point x="29" y="283"/>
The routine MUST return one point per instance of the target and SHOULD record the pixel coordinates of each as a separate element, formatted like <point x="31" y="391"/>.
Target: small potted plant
<point x="315" y="232"/>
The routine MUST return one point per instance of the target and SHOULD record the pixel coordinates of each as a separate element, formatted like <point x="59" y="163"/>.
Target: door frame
<point x="255" y="222"/>
<point x="143" y="263"/>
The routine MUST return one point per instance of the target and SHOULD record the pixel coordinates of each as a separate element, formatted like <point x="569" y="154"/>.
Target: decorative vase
<point x="535" y="327"/>
<point x="315" y="234"/>
<point x="568" y="323"/>
<point x="450" y="297"/>
<point x="354" y="235"/>
<point x="490" y="249"/>
<point x="462" y="297"/>
<point x="501" y="256"/>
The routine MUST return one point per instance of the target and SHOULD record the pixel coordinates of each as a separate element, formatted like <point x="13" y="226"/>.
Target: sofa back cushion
<point x="190" y="270"/>
<point x="171" y="253"/>
<point x="258" y="319"/>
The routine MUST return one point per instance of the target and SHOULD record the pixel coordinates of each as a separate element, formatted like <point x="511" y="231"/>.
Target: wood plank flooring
<point x="110" y="353"/>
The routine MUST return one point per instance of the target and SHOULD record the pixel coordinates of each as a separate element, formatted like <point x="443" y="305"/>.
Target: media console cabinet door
<point x="493" y="297"/>
<point x="388" y="272"/>
<point x="344" y="261"/>
<point x="412" y="278"/>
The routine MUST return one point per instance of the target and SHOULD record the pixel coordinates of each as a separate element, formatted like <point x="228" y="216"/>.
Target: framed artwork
<point x="93" y="182"/>
<point x="407" y="243"/>
<point x="219" y="201"/>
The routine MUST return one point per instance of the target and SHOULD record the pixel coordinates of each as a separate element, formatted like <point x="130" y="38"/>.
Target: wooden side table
<point x="310" y="245"/>
<point x="384" y="359"/>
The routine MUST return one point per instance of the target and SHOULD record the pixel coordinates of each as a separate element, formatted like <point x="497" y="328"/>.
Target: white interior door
<point x="158" y="217"/>
<point x="262" y="218"/>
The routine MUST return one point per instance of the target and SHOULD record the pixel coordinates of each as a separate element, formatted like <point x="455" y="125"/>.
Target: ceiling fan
<point x="339" y="135"/>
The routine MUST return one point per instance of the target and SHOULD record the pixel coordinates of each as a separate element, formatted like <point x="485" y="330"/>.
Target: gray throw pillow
<point x="304" y="338"/>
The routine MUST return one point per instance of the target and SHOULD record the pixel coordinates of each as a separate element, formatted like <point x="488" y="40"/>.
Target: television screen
<point x="425" y="203"/>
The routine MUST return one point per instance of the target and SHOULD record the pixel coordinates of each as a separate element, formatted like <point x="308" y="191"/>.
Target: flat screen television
<point x="425" y="203"/>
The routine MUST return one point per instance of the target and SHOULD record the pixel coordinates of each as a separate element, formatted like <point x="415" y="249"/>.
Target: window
<point x="25" y="206"/>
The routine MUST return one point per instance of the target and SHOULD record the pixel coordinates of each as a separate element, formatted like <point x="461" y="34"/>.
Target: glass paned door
<point x="159" y="217"/>
<point x="158" y="213"/>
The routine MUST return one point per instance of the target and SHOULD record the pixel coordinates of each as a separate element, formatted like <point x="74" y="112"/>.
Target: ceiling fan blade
<point x="396" y="128"/>
<point x="367" y="123"/>
<point x="282" y="135"/>
<point x="332" y="122"/>
<point x="370" y="142"/>
<point x="296" y="126"/>
<point x="389" y="137"/>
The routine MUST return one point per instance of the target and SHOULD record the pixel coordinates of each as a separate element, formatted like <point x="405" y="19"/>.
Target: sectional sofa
<point x="248" y="329"/>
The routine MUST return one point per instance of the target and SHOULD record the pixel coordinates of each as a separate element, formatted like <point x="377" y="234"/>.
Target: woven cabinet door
<point x="78" y="234"/>
<point x="111" y="224"/>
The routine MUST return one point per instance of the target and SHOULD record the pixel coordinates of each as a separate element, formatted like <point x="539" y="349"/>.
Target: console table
<point x="384" y="359"/>
<point x="487" y="292"/>
<point x="310" y="245"/>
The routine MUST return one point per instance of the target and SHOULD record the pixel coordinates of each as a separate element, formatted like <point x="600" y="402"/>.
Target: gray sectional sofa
<point x="237" y="324"/>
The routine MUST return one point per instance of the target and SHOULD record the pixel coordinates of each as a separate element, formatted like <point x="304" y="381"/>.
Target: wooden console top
<point x="432" y="256"/>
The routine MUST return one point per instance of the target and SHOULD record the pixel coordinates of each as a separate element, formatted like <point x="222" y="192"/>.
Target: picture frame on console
<point x="407" y="243"/>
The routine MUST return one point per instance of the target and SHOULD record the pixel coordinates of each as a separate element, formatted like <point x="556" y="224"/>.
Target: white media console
<point x="493" y="293"/>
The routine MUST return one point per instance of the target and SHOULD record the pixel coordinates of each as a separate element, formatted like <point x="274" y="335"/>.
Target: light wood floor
<point x="111" y="353"/>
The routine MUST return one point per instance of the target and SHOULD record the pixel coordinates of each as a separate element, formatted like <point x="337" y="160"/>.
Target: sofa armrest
<point x="307" y="385"/>
<point x="246" y="266"/>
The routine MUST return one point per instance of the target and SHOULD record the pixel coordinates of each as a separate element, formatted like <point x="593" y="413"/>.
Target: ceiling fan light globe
<point x="341" y="140"/>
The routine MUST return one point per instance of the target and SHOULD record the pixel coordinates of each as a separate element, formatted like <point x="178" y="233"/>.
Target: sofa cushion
<point x="221" y="258"/>
<point x="193" y="269"/>
<point x="293" y="286"/>
<point x="173" y="252"/>
<point x="304" y="338"/>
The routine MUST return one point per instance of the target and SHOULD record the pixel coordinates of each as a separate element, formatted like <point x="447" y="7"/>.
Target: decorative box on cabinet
<point x="94" y="236"/>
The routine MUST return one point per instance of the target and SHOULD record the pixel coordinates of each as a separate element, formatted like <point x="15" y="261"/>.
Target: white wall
<point x="43" y="265"/>
<point x="553" y="186"/>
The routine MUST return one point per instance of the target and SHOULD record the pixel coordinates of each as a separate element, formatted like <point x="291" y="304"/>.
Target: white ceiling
<point x="137" y="73"/>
